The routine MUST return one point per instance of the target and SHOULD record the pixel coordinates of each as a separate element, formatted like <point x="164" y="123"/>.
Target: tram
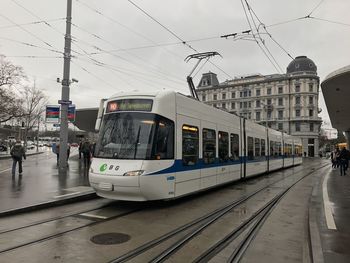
<point x="164" y="145"/>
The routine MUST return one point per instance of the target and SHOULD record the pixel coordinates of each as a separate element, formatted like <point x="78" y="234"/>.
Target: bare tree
<point x="34" y="102"/>
<point x="10" y="76"/>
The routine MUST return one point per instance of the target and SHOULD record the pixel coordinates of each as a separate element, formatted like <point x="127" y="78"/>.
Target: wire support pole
<point x="65" y="91"/>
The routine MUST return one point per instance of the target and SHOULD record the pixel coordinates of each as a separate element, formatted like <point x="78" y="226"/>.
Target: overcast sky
<point x="136" y="52"/>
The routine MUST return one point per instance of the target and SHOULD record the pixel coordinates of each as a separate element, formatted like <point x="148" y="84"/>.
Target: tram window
<point x="223" y="146"/>
<point x="250" y="148"/>
<point x="278" y="148"/>
<point x="209" y="146"/>
<point x="189" y="145"/>
<point x="164" y="140"/>
<point x="272" y="148"/>
<point x="257" y="147"/>
<point x="234" y="146"/>
<point x="263" y="147"/>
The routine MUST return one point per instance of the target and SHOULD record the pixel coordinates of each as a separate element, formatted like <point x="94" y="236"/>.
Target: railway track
<point x="197" y="226"/>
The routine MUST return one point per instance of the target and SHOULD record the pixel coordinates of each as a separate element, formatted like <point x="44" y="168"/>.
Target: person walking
<point x="80" y="145"/>
<point x="343" y="159"/>
<point x="86" y="150"/>
<point x="17" y="153"/>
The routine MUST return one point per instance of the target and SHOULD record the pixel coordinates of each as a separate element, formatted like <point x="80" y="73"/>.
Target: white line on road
<point x="5" y="170"/>
<point x="327" y="205"/>
<point x="94" y="216"/>
<point x="59" y="196"/>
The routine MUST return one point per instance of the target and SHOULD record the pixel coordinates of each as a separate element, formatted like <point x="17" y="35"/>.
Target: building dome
<point x="301" y="64"/>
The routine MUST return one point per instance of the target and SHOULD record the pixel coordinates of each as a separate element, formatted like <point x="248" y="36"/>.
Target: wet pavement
<point x="41" y="181"/>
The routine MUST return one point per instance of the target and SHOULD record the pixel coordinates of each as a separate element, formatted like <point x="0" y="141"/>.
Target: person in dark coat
<point x="17" y="153"/>
<point x="86" y="150"/>
<point x="343" y="160"/>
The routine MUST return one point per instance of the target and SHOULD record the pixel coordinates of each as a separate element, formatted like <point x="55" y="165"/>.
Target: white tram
<point x="164" y="145"/>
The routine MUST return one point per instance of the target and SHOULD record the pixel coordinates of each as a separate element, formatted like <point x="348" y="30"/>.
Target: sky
<point x="124" y="45"/>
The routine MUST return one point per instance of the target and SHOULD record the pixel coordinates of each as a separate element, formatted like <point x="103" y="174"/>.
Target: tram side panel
<point x="288" y="150"/>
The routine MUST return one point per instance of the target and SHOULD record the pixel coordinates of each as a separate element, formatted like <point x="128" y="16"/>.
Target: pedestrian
<point x="80" y="145"/>
<point x="86" y="150"/>
<point x="57" y="151"/>
<point x="68" y="151"/>
<point x="337" y="157"/>
<point x="17" y="153"/>
<point x="343" y="159"/>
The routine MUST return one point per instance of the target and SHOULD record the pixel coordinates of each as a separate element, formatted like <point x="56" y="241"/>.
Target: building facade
<point x="286" y="102"/>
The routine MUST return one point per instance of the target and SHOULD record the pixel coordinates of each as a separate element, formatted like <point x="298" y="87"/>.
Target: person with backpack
<point x="17" y="153"/>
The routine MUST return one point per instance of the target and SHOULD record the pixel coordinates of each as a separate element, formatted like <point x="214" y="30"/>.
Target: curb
<point x="29" y="154"/>
<point x="49" y="204"/>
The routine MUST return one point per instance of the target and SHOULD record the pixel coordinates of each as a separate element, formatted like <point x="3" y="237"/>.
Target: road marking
<point x="94" y="216"/>
<point x="59" y="196"/>
<point x="5" y="170"/>
<point x="327" y="205"/>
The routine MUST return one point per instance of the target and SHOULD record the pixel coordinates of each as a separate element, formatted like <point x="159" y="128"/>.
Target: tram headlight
<point x="134" y="173"/>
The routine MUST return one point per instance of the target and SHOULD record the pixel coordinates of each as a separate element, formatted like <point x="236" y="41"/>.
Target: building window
<point x="223" y="147"/>
<point x="268" y="101"/>
<point x="249" y="93"/>
<point x="189" y="145"/>
<point x="257" y="115"/>
<point x="233" y="105"/>
<point x="297" y="113"/>
<point x="280" y="114"/>
<point x="269" y="91"/>
<point x="311" y="127"/>
<point x="241" y="94"/>
<point x="297" y="126"/>
<point x="245" y="105"/>
<point x="249" y="115"/>
<point x="311" y="113"/>
<point x="258" y="92"/>
<point x="297" y="100"/>
<point x="241" y="105"/>
<point x="209" y="146"/>
<point x="245" y="93"/>
<point x="311" y="100"/>
<point x="224" y="106"/>
<point x="234" y="146"/>
<point x="203" y="98"/>
<point x="280" y="90"/>
<point x="280" y="101"/>
<point x="280" y="126"/>
<point x="233" y="95"/>
<point x="257" y="103"/>
<point x="297" y="88"/>
<point x="269" y="114"/>
<point x="249" y="104"/>
<point x="215" y="96"/>
<point x="224" y="96"/>
<point x="311" y="87"/>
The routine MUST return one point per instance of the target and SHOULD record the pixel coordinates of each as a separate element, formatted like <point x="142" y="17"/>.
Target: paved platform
<point x="41" y="183"/>
<point x="333" y="213"/>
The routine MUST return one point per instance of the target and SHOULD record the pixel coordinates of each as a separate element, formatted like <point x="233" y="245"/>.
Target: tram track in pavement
<point x="59" y="233"/>
<point x="197" y="226"/>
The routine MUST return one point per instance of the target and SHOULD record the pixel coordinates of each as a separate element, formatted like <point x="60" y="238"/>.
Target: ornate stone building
<point x="286" y="102"/>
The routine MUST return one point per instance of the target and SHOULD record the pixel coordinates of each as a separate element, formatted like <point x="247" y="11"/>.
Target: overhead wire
<point x="175" y="35"/>
<point x="32" y="23"/>
<point x="257" y="42"/>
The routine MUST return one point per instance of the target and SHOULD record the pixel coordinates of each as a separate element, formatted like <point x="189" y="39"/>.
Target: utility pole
<point x="65" y="90"/>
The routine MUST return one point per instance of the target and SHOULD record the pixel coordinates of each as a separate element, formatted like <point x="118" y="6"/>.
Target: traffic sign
<point x="52" y="113"/>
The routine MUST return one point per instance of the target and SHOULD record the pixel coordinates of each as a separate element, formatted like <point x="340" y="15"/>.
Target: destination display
<point x="129" y="105"/>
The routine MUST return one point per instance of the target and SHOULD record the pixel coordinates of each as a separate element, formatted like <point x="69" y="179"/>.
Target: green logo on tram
<point x="103" y="167"/>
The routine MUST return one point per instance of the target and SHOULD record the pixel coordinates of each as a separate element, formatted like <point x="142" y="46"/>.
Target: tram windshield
<point x="133" y="135"/>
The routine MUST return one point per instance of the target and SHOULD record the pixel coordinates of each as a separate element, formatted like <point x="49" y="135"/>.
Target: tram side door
<point x="188" y="155"/>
